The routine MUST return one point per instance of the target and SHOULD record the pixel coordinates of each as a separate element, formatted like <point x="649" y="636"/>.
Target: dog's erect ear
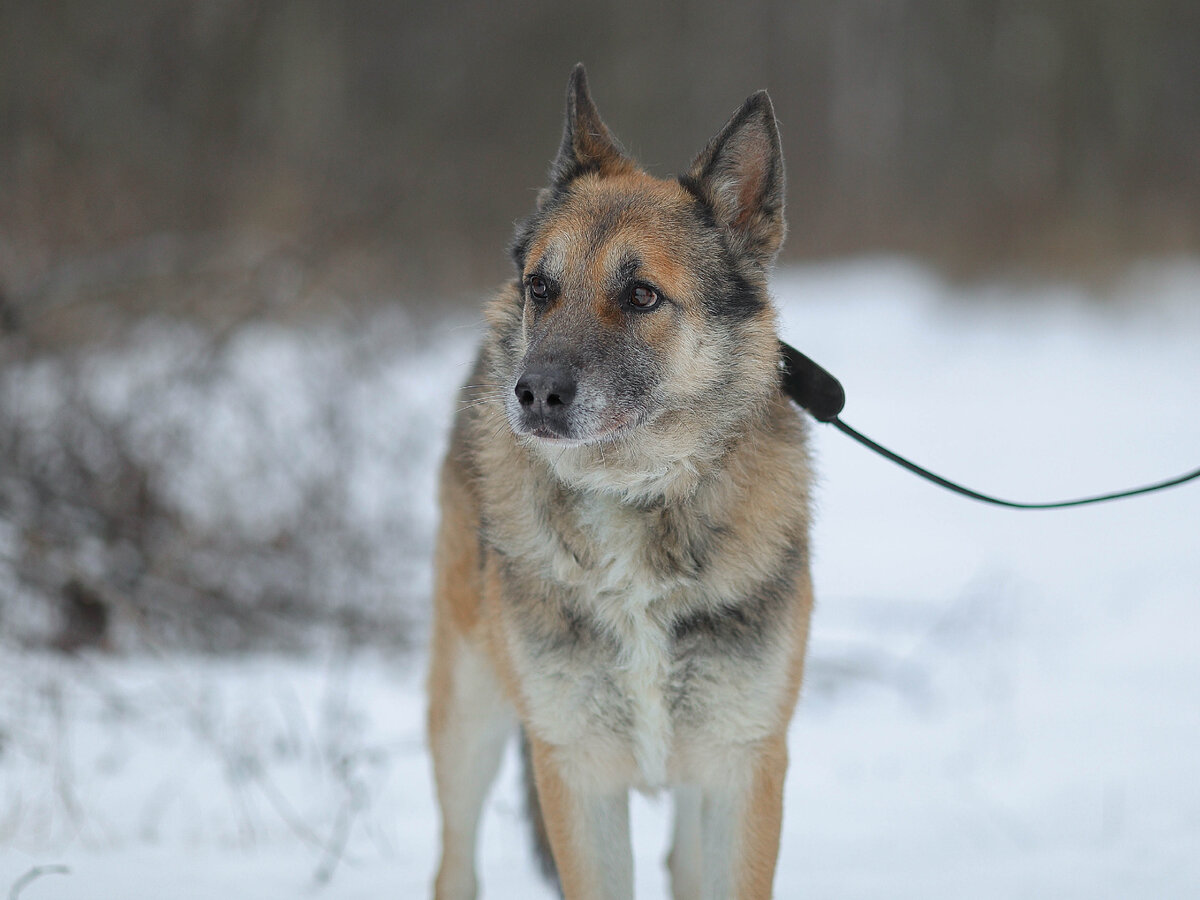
<point x="740" y="176"/>
<point x="587" y="145"/>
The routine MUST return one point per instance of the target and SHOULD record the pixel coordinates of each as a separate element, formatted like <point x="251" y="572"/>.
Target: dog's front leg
<point x="686" y="859"/>
<point x="726" y="834"/>
<point x="588" y="828"/>
<point x="469" y="722"/>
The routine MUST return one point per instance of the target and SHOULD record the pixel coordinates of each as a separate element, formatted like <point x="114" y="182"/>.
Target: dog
<point x="622" y="565"/>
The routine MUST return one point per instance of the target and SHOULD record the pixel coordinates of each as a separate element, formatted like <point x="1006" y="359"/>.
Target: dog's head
<point x="645" y="323"/>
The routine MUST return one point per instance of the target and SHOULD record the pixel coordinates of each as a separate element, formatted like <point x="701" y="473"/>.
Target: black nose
<point x="546" y="389"/>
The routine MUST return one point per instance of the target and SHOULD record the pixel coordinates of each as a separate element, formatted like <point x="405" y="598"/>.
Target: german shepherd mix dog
<point x="622" y="561"/>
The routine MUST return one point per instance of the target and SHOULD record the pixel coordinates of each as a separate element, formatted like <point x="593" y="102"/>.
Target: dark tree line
<point x="981" y="131"/>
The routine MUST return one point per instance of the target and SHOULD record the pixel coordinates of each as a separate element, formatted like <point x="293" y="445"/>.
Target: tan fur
<point x="636" y="597"/>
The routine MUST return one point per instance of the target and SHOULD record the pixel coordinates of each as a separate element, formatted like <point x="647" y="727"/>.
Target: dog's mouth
<point x="550" y="434"/>
<point x="546" y="433"/>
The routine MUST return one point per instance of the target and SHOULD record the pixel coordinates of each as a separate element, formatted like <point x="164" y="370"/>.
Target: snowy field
<point x="1000" y="704"/>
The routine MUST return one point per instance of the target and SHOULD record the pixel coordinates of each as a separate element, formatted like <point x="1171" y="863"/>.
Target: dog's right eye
<point x="538" y="289"/>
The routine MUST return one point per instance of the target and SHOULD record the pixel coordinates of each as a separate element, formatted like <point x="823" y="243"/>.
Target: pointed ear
<point x="587" y="144"/>
<point x="740" y="176"/>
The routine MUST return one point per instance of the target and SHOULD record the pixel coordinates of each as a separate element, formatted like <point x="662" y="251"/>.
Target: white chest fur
<point x="606" y="688"/>
<point x="612" y="679"/>
<point x="622" y="590"/>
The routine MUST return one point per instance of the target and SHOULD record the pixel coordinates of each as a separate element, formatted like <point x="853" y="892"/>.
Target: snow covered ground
<point x="1000" y="704"/>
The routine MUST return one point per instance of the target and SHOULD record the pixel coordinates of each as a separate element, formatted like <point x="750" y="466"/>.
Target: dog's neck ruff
<point x="614" y="470"/>
<point x="666" y="461"/>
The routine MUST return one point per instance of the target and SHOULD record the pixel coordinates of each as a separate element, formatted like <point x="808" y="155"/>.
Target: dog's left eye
<point x="643" y="297"/>
<point x="538" y="287"/>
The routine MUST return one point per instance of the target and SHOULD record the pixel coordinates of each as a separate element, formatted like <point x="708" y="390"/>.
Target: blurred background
<point x="232" y="163"/>
<point x="390" y="145"/>
<point x="242" y="248"/>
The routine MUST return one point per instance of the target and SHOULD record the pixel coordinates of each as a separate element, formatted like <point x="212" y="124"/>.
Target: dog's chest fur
<point x="633" y="650"/>
<point x="627" y="593"/>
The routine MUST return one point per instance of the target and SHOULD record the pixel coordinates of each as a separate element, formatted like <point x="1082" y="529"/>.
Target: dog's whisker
<point x="486" y="401"/>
